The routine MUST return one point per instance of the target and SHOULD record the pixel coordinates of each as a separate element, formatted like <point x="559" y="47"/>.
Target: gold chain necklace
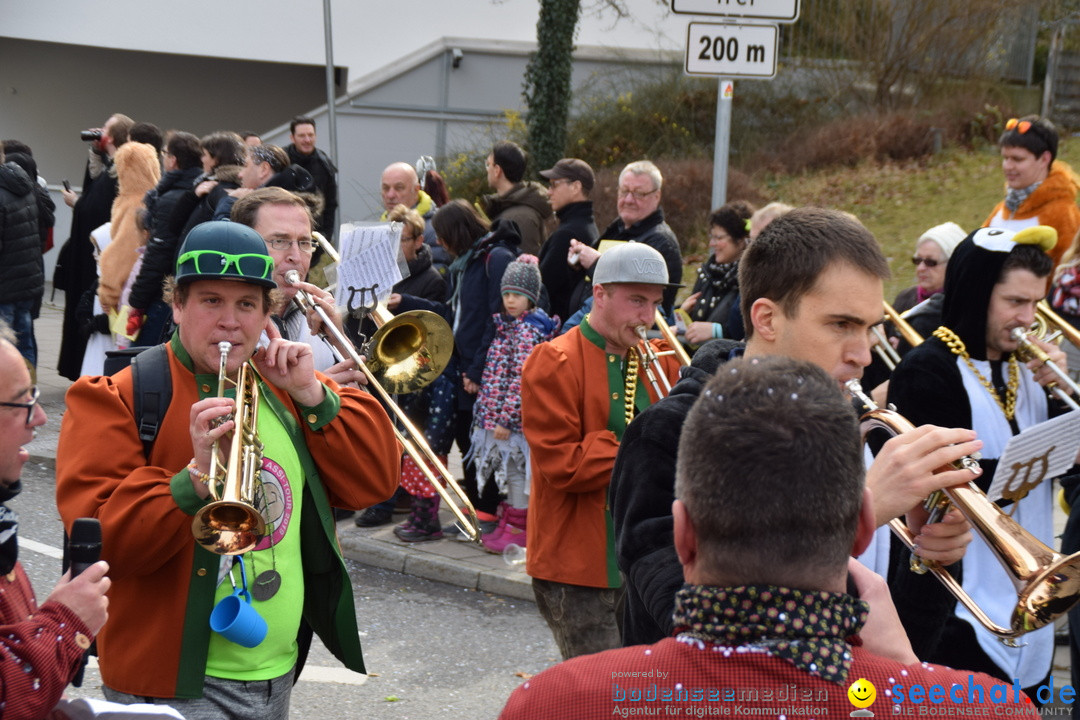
<point x="631" y="382"/>
<point x="956" y="345"/>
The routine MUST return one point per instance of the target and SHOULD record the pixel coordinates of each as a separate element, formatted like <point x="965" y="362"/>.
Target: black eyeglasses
<point x="928" y="262"/>
<point x="34" y="395"/>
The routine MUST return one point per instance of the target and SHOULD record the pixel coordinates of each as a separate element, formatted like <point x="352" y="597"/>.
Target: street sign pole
<point x="732" y="50"/>
<point x="722" y="142"/>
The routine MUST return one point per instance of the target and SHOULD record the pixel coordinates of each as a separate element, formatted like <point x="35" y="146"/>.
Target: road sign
<point x="785" y="11"/>
<point x="731" y="50"/>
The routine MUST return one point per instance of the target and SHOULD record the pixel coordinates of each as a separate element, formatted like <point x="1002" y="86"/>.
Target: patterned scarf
<point x="1016" y="198"/>
<point x="9" y="528"/>
<point x="722" y="278"/>
<point x="808" y="629"/>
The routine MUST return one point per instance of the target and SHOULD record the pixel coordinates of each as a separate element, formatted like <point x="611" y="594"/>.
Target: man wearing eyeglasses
<point x="40" y="646"/>
<point x="641" y="219"/>
<point x="314" y="434"/>
<point x="570" y="181"/>
<point x="285" y="224"/>
<point x="1039" y="189"/>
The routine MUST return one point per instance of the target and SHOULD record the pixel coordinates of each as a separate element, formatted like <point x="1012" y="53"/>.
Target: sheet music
<point x="1039" y="453"/>
<point x="369" y="259"/>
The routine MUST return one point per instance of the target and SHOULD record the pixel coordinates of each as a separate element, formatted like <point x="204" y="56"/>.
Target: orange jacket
<point x="1053" y="203"/>
<point x="566" y="411"/>
<point x="155" y="642"/>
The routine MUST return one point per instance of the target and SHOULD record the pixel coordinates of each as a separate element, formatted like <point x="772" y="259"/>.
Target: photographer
<point x="75" y="267"/>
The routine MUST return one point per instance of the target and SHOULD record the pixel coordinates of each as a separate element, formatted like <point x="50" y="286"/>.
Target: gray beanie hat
<point x="523" y="277"/>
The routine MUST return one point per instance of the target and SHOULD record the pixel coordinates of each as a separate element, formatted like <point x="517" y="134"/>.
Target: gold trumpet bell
<point x="410" y="350"/>
<point x="228" y="528"/>
<point x="1048" y="595"/>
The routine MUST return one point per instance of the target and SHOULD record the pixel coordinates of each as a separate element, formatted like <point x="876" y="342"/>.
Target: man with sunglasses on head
<point x="1039" y="189"/>
<point x="641" y="219"/>
<point x="41" y="647"/>
<point x="313" y="432"/>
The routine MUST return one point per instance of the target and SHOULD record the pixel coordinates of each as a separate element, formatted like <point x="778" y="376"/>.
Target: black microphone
<point x="84" y="546"/>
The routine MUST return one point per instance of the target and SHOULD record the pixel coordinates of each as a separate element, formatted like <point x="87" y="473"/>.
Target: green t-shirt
<point x="283" y="483"/>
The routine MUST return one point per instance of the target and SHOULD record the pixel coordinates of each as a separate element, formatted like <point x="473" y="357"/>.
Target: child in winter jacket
<point x="498" y="445"/>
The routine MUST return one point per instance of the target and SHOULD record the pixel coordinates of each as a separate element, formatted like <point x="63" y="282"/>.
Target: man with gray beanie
<point x="578" y="394"/>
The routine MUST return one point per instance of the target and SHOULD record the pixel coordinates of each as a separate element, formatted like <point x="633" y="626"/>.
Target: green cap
<point x="223" y="250"/>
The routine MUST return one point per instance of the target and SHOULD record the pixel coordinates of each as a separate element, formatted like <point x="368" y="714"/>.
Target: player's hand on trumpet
<point x="909" y="467"/>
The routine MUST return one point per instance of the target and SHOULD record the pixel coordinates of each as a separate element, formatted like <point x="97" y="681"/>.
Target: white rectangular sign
<point x="779" y="10"/>
<point x="732" y="50"/>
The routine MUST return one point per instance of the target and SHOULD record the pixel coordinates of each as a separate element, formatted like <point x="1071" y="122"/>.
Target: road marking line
<point x="42" y="548"/>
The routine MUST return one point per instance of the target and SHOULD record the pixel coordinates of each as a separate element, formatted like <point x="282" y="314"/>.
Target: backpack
<point x="151" y="384"/>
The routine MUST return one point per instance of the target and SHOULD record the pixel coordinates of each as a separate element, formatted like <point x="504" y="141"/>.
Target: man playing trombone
<point x="578" y="394"/>
<point x="285" y="223"/>
<point x="968" y="375"/>
<point x="312" y="434"/>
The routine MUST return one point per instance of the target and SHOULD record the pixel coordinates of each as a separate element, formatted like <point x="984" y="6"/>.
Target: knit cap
<point x="523" y="277"/>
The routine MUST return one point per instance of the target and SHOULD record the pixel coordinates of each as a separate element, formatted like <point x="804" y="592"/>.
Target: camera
<point x="90" y="135"/>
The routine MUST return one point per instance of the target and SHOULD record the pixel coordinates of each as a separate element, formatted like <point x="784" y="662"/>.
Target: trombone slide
<point x="419" y="451"/>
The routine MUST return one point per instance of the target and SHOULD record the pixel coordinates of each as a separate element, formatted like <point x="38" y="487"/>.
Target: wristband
<point x="717" y="330"/>
<point x="196" y="473"/>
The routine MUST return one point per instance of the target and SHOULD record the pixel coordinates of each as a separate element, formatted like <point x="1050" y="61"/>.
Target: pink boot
<point x="498" y="531"/>
<point x="513" y="531"/>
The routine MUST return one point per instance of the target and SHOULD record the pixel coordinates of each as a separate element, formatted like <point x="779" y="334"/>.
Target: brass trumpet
<point x="232" y="524"/>
<point x="1047" y="582"/>
<point x="418" y="450"/>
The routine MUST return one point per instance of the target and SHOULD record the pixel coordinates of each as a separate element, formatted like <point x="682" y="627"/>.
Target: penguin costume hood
<point x="973" y="271"/>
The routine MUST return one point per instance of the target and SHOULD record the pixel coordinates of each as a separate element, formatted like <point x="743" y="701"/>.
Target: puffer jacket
<point x="137" y="172"/>
<point x="21" y="276"/>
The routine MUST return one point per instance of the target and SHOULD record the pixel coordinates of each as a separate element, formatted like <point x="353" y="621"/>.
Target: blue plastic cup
<point x="237" y="621"/>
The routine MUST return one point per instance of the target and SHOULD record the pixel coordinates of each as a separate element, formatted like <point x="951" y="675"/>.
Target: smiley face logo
<point x="862" y="693"/>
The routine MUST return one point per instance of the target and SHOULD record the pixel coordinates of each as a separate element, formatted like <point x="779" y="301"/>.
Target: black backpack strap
<point x="152" y="388"/>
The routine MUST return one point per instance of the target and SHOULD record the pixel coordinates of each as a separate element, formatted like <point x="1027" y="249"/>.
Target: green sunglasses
<point x="215" y="262"/>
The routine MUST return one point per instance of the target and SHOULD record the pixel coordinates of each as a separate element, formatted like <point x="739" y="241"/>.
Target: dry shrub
<point x="848" y="141"/>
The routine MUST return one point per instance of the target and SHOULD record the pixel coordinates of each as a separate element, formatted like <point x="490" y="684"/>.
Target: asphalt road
<point x="433" y="650"/>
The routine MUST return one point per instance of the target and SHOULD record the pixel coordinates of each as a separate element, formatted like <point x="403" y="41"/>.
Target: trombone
<point x="1047" y="582"/>
<point x="651" y="358"/>
<point x="883" y="347"/>
<point x="420" y="451"/>
<point x="231" y="524"/>
<point x="1026" y="349"/>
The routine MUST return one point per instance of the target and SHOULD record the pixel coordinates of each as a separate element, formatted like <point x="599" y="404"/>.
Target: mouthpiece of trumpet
<point x="642" y="332"/>
<point x="292" y="277"/>
<point x="224" y="347"/>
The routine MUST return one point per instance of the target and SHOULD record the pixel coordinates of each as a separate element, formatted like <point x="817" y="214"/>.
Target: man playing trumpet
<point x="314" y="434"/>
<point x="578" y="394"/>
<point x="968" y="375"/>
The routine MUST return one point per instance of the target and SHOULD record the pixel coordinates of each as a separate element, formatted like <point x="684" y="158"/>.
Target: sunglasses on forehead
<point x="215" y="262"/>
